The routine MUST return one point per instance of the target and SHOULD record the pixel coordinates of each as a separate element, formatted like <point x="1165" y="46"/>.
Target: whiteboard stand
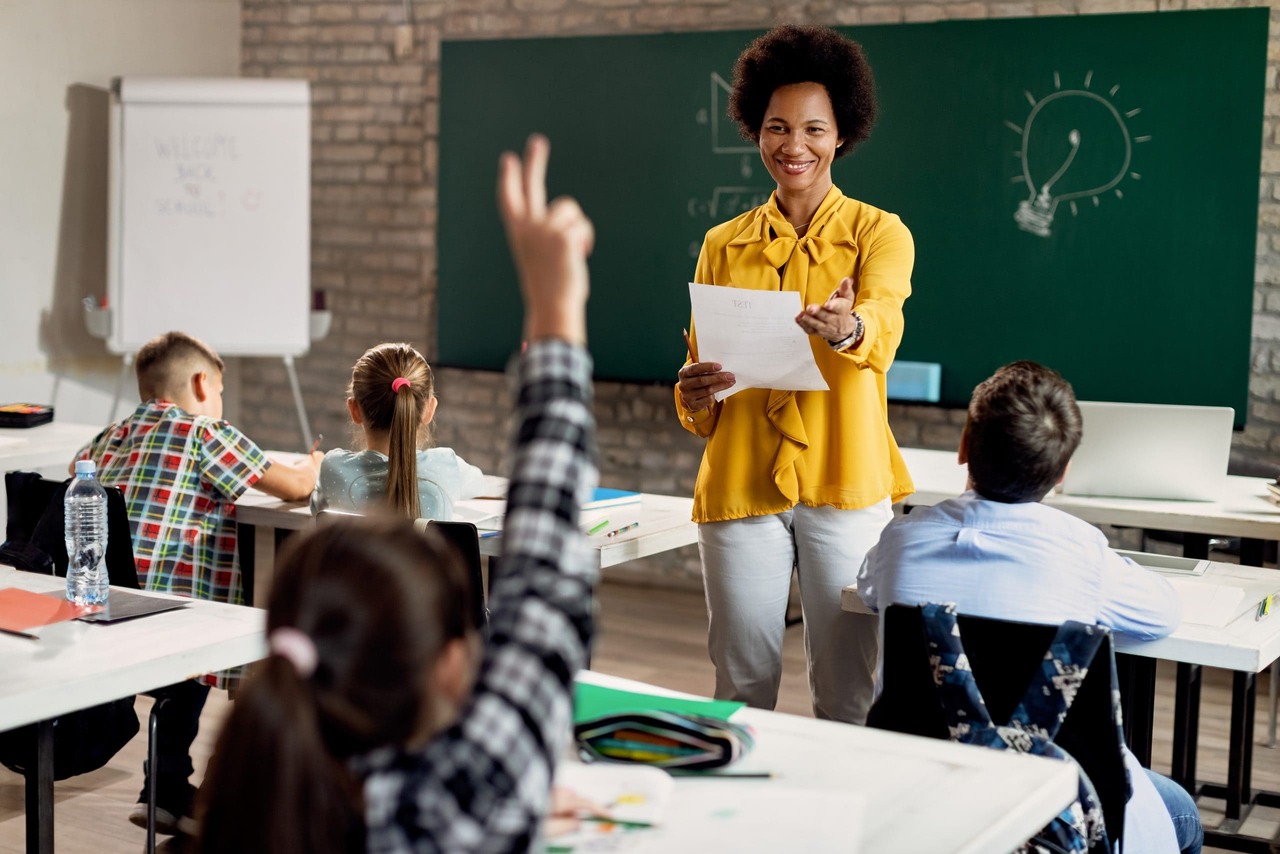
<point x="297" y="401"/>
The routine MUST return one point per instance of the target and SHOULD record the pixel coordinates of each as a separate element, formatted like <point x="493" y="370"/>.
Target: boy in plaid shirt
<point x="181" y="469"/>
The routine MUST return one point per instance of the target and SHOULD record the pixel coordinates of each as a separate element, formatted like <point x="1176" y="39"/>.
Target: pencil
<point x="688" y="343"/>
<point x="624" y="528"/>
<point x="315" y="446"/>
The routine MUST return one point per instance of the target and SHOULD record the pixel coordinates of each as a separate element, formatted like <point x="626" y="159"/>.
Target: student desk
<point x="77" y="665"/>
<point x="1246" y="647"/>
<point x="1242" y="511"/>
<point x="665" y="523"/>
<point x="884" y="792"/>
<point x="46" y="446"/>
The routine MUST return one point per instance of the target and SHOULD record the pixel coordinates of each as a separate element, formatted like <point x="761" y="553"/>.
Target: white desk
<point x="46" y="446"/>
<point x="1246" y="647"/>
<point x="665" y="523"/>
<point x="77" y="665"/>
<point x="1241" y="511"/>
<point x="901" y="794"/>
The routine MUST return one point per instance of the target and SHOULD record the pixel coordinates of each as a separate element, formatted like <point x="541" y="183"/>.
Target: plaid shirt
<point x="483" y="784"/>
<point x="180" y="474"/>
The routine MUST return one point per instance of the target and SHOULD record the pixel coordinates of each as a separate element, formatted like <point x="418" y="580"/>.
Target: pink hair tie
<point x="295" y="647"/>
<point x="399" y="383"/>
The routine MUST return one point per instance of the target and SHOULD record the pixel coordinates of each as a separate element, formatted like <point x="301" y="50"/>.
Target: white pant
<point x="746" y="569"/>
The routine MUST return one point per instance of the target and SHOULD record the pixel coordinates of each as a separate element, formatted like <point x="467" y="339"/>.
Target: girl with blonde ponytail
<point x="392" y="399"/>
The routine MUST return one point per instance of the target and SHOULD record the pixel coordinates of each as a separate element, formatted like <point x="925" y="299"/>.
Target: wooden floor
<point x="656" y="636"/>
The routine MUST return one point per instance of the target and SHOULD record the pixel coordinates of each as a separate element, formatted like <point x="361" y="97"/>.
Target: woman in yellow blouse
<point x="800" y="478"/>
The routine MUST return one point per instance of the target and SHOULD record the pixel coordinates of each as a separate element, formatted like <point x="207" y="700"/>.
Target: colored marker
<point x="623" y="529"/>
<point x="1264" y="607"/>
<point x="598" y="527"/>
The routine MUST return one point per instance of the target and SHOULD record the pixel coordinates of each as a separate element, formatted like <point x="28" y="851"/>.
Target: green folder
<point x="593" y="701"/>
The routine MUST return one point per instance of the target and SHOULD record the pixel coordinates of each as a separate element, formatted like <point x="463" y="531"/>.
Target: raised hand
<point x="549" y="243"/>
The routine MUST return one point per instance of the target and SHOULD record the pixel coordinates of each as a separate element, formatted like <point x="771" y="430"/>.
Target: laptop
<point x="1150" y="450"/>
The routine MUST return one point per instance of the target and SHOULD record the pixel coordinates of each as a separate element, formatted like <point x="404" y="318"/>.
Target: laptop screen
<point x="1147" y="450"/>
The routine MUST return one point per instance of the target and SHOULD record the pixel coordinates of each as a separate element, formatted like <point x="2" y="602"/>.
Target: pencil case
<point x="664" y="739"/>
<point x="25" y="414"/>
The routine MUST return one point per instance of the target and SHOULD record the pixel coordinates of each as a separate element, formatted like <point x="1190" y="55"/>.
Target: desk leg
<point x="1138" y="690"/>
<point x="39" y="793"/>
<point x="1196" y="546"/>
<point x="1239" y="752"/>
<point x="264" y="563"/>
<point x="1253" y="552"/>
<point x="1186" y="724"/>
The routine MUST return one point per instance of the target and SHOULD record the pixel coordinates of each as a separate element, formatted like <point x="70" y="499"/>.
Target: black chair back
<point x="36" y="523"/>
<point x="464" y="537"/>
<point x="1003" y="656"/>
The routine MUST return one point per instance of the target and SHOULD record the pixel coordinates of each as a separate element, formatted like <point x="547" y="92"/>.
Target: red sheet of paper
<point x="21" y="609"/>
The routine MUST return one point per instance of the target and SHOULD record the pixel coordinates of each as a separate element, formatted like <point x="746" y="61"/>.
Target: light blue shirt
<point x="357" y="480"/>
<point x="1037" y="564"/>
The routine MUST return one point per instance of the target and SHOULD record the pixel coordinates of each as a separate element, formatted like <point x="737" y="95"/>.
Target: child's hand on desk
<point x="567" y="811"/>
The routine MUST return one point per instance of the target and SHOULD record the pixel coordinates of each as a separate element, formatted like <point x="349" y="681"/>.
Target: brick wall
<point x="374" y="148"/>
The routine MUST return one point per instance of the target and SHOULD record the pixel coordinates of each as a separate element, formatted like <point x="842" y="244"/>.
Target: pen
<point x="598" y="527"/>
<point x="617" y="531"/>
<point x="1264" y="607"/>
<point x="316" y="444"/>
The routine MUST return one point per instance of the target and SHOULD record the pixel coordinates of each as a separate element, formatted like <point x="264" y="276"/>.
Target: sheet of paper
<point x="485" y="513"/>
<point x="1208" y="604"/>
<point x="754" y="335"/>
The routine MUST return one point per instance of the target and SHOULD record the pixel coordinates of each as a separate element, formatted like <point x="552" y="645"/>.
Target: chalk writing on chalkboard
<point x="1076" y="144"/>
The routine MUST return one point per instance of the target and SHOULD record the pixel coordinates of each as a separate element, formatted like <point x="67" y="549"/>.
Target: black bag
<point x="83" y="741"/>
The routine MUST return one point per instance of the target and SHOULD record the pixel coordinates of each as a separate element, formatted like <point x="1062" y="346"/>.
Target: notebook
<point x="1150" y="450"/>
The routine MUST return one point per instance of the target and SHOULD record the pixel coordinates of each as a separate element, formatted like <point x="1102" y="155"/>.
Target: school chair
<point x="926" y="690"/>
<point x="463" y="537"/>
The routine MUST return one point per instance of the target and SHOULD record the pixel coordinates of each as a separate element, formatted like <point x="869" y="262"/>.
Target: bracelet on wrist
<point x="853" y="338"/>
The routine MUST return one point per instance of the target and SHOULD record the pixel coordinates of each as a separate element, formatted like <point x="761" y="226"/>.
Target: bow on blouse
<point x="792" y="256"/>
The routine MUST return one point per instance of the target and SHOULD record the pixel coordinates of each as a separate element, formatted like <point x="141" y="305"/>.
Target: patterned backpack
<point x="1034" y="722"/>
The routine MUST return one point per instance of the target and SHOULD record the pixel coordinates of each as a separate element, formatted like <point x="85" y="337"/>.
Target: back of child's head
<point x="166" y="363"/>
<point x="359" y="611"/>
<point x="1022" y="429"/>
<point x="392" y="384"/>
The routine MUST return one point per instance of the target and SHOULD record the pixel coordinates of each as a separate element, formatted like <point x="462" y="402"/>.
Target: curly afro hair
<point x="799" y="54"/>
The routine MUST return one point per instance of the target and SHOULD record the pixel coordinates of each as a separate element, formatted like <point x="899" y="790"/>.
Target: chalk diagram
<point x="1076" y="144"/>
<point x="726" y="201"/>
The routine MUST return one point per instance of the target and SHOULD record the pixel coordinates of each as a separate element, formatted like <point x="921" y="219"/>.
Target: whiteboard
<point x="209" y="220"/>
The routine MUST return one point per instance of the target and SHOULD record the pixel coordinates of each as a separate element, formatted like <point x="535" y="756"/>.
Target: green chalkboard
<point x="1137" y="287"/>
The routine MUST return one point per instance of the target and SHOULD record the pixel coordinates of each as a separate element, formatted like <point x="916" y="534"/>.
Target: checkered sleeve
<point x="483" y="784"/>
<point x="230" y="462"/>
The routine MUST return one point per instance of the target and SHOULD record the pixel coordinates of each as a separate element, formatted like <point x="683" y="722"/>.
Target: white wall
<point x="57" y="59"/>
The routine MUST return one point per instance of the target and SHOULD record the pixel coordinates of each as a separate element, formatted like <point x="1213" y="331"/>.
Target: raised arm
<point x="484" y="783"/>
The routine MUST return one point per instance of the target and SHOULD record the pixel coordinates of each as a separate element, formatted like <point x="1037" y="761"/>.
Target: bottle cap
<point x="85" y="467"/>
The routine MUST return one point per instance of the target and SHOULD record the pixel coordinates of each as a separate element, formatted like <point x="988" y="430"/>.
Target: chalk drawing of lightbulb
<point x="1075" y="144"/>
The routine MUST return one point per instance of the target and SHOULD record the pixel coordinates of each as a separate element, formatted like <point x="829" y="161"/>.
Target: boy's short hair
<point x="168" y="361"/>
<point x="1023" y="427"/>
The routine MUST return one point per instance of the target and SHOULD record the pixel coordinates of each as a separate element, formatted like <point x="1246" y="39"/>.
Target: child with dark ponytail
<point x="392" y="398"/>
<point x="378" y="721"/>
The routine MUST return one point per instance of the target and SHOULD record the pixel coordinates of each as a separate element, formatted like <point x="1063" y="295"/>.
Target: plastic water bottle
<point x="86" y="536"/>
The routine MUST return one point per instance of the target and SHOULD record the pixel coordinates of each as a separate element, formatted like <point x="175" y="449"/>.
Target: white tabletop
<point x="1243" y="509"/>
<point x="75" y="665"/>
<point x="882" y="792"/>
<point x="665" y="523"/>
<point x="1246" y="644"/>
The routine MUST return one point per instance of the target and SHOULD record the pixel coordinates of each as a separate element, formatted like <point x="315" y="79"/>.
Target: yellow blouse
<point x="769" y="449"/>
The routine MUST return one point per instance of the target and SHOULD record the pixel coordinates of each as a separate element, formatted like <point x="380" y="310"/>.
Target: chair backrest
<point x="466" y="539"/>
<point x="1004" y="655"/>
<point x="36" y="523"/>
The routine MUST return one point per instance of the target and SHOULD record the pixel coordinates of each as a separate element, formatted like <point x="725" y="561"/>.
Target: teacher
<point x="800" y="479"/>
